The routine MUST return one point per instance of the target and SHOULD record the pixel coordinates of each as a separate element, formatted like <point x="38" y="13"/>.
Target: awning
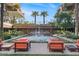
<point x="7" y="25"/>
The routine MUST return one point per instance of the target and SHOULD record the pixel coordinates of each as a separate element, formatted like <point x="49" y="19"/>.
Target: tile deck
<point x="38" y="49"/>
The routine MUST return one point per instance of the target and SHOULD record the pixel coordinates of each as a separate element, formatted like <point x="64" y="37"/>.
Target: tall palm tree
<point x="35" y="14"/>
<point x="44" y="14"/>
<point x="1" y="22"/>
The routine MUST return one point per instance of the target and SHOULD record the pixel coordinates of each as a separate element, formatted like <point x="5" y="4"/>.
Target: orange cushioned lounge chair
<point x="77" y="44"/>
<point x="5" y="46"/>
<point x="22" y="44"/>
<point x="1" y="43"/>
<point x="25" y="39"/>
<point x="56" y="45"/>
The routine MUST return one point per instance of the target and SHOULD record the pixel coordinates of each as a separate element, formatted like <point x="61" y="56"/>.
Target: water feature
<point x="38" y="36"/>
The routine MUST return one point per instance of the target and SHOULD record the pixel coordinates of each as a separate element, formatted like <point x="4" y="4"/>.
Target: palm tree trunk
<point x="43" y="19"/>
<point x="13" y="22"/>
<point x="35" y="20"/>
<point x="76" y="19"/>
<point x="2" y="15"/>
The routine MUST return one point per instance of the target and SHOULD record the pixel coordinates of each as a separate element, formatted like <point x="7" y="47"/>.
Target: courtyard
<point x="38" y="29"/>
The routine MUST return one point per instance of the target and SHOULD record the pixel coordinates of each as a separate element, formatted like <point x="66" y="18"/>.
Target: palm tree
<point x="1" y="22"/>
<point x="35" y="14"/>
<point x="44" y="14"/>
<point x="64" y="20"/>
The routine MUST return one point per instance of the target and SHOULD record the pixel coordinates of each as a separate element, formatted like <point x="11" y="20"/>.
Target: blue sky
<point x="51" y="8"/>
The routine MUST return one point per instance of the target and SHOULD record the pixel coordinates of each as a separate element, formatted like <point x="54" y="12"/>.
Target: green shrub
<point x="7" y="35"/>
<point x="73" y="36"/>
<point x="70" y="35"/>
<point x="58" y="32"/>
<point x="12" y="33"/>
<point x="19" y="33"/>
<point x="16" y="33"/>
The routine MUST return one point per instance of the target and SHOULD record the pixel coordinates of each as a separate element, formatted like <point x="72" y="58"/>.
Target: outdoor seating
<point x="72" y="48"/>
<point x="22" y="44"/>
<point x="7" y="46"/>
<point x="25" y="39"/>
<point x="1" y="43"/>
<point x="77" y="44"/>
<point x="56" y="45"/>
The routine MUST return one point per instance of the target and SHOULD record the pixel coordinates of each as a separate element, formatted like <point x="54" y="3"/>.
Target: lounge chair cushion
<point x="77" y="40"/>
<point x="77" y="43"/>
<point x="1" y="42"/>
<point x="23" y="39"/>
<point x="21" y="46"/>
<point x="56" y="46"/>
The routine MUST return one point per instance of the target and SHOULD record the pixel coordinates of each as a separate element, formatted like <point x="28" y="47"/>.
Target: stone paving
<point x="39" y="48"/>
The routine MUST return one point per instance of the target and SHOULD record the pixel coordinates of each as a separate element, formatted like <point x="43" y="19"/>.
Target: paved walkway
<point x="38" y="49"/>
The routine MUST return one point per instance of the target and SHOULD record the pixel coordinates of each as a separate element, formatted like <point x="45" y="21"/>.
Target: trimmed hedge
<point x="7" y="37"/>
<point x="73" y="37"/>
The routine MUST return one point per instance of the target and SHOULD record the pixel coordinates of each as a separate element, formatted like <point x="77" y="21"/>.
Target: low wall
<point x="14" y="38"/>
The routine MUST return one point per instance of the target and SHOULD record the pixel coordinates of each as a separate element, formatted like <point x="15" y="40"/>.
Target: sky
<point x="51" y="8"/>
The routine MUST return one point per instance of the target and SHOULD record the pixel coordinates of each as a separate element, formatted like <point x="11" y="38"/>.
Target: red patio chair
<point x="77" y="44"/>
<point x="1" y="43"/>
<point x="5" y="46"/>
<point x="56" y="45"/>
<point x="23" y="39"/>
<point x="26" y="40"/>
<point x="21" y="44"/>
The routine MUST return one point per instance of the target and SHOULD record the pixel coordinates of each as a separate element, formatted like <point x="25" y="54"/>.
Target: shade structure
<point x="7" y="25"/>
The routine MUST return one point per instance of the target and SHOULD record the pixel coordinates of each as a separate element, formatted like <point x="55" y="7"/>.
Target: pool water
<point x="38" y="37"/>
<point x="35" y="37"/>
